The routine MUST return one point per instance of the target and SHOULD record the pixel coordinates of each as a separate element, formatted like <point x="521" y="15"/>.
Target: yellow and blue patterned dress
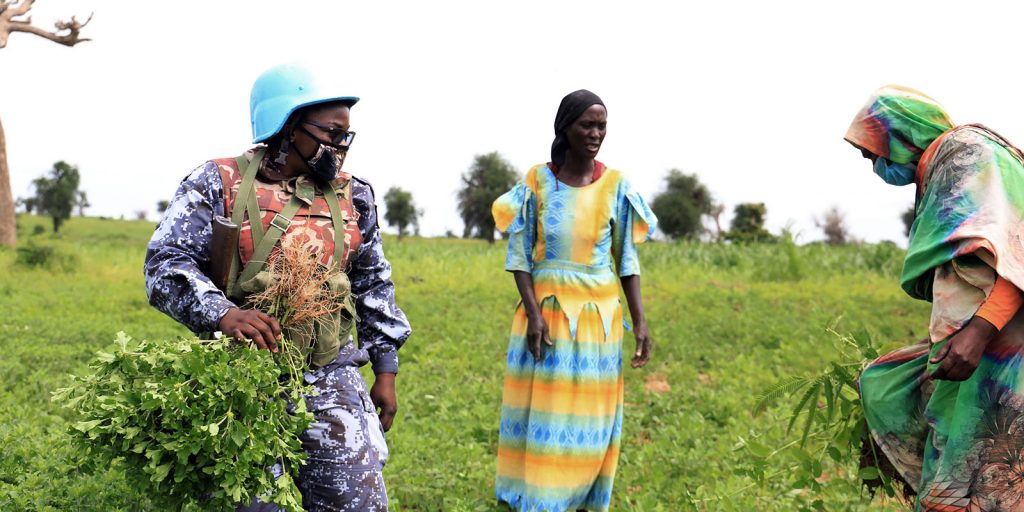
<point x="561" y="418"/>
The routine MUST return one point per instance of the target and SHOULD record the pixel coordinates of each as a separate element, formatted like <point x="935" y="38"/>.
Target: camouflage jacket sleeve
<point x="382" y="326"/>
<point x="178" y="253"/>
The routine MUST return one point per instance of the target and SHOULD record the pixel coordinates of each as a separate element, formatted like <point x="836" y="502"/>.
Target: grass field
<point x="727" y="322"/>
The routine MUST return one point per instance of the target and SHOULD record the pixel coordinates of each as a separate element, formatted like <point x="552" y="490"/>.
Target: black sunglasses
<point x="338" y="137"/>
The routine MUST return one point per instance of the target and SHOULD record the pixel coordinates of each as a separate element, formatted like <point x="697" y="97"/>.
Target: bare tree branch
<point x="19" y="9"/>
<point x="66" y="33"/>
<point x="9" y="10"/>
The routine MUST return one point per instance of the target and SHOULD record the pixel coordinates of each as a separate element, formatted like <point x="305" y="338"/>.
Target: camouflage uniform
<point x="345" y="443"/>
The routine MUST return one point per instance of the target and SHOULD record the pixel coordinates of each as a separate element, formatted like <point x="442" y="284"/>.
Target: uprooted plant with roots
<point x="198" y="424"/>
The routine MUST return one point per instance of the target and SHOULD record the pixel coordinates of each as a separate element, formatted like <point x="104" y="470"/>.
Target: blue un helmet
<point x="283" y="89"/>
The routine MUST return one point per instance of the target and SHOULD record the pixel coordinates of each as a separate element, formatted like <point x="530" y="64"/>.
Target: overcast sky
<point x="753" y="97"/>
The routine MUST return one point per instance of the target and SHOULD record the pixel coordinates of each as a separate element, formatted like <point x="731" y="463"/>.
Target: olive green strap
<point x="252" y="206"/>
<point x="246" y="190"/>
<point x="248" y="168"/>
<point x="278" y="225"/>
<point x="339" y="226"/>
<point x="247" y="199"/>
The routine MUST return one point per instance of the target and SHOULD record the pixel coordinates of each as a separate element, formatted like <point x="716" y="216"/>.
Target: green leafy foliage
<point x="748" y="224"/>
<point x="196" y="425"/>
<point x="681" y="205"/>
<point x="401" y="211"/>
<point x="47" y="255"/>
<point x="57" y="193"/>
<point x="831" y="425"/>
<point x="489" y="177"/>
<point x="727" y="320"/>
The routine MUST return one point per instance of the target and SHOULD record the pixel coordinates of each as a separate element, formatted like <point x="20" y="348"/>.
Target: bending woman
<point x="948" y="413"/>
<point x="573" y="228"/>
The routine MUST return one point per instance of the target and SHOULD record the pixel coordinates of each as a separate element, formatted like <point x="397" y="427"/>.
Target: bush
<point x="47" y="256"/>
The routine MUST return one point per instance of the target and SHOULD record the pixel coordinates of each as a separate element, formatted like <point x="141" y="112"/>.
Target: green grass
<point x="728" y="321"/>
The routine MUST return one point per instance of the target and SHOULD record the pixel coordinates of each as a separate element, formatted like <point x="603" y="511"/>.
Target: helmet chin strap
<point x="282" y="152"/>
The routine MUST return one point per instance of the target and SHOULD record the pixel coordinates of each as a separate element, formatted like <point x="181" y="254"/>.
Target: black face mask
<point x="326" y="160"/>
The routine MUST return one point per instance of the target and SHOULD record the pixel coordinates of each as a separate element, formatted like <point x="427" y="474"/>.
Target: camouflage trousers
<point x="345" y="447"/>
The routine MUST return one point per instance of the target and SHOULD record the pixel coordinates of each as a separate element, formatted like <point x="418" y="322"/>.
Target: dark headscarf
<point x="572" y="107"/>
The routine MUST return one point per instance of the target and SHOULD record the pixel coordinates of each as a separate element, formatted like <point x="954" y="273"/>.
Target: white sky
<point x="754" y="97"/>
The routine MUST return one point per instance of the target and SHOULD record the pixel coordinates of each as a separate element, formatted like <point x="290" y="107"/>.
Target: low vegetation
<point x="729" y="322"/>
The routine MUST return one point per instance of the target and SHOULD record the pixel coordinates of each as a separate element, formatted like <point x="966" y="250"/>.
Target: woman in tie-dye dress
<point x="573" y="228"/>
<point x="948" y="413"/>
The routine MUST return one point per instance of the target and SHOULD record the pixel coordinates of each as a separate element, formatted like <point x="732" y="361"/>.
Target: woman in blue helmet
<point x="293" y="183"/>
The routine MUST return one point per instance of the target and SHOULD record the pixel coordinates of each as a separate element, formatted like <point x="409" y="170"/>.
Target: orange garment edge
<point x="1001" y="304"/>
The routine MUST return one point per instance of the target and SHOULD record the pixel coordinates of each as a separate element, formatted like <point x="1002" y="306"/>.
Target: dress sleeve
<point x="1002" y="303"/>
<point x="515" y="213"/>
<point x="178" y="253"/>
<point x="382" y="327"/>
<point x="634" y="224"/>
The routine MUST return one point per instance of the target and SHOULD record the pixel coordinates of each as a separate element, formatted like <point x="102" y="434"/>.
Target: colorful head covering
<point x="898" y="123"/>
<point x="573" y="106"/>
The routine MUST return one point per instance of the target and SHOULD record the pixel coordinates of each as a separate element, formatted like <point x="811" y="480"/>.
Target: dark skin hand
<point x="631" y="286"/>
<point x="959" y="357"/>
<point x="536" y="327"/>
<point x="251" y="324"/>
<point x="383" y="395"/>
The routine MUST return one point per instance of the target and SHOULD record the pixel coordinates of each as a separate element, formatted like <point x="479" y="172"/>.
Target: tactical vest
<point x="286" y="210"/>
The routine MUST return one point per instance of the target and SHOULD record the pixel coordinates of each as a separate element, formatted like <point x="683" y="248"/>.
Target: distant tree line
<point x="685" y="202"/>
<point x="682" y="206"/>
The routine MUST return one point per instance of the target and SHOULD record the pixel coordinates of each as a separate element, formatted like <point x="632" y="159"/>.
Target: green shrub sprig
<point x="196" y="425"/>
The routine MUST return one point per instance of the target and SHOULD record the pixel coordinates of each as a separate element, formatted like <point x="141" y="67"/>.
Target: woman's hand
<point x="251" y="324"/>
<point x="383" y="396"/>
<point x="960" y="356"/>
<point x="536" y="332"/>
<point x="536" y="327"/>
<point x="631" y="286"/>
<point x="643" y="346"/>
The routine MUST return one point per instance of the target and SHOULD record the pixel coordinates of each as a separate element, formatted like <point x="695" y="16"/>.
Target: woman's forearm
<point x="524" y="282"/>
<point x="631" y="287"/>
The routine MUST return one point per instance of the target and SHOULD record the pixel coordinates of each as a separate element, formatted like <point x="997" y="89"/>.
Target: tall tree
<point x="489" y="177"/>
<point x="401" y="210"/>
<point x="57" y="194"/>
<point x="681" y="205"/>
<point x="67" y="34"/>
<point x="162" y="206"/>
<point x="748" y="224"/>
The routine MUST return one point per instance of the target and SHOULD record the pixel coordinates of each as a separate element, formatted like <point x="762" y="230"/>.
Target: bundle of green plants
<point x="198" y="424"/>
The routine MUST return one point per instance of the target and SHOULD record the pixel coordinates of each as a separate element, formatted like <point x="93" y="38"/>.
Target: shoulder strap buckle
<point x="280" y="222"/>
